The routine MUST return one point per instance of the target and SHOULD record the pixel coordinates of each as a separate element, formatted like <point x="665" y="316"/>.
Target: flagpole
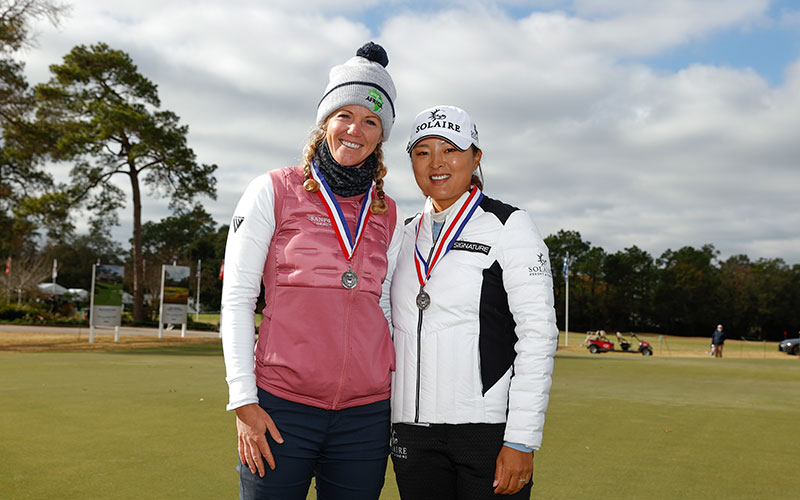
<point x="91" y="303"/>
<point x="566" y="302"/>
<point x="197" y="301"/>
<point x="8" y="277"/>
<point x="55" y="275"/>
<point x="161" y="305"/>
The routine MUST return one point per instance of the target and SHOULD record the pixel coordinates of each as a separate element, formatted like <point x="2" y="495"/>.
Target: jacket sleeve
<point x="391" y="258"/>
<point x="528" y="281"/>
<point x="249" y="237"/>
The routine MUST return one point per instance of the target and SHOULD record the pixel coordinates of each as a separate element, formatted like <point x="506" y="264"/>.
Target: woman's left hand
<point x="513" y="471"/>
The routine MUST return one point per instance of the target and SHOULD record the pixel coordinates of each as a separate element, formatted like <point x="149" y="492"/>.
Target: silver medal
<point x="349" y="279"/>
<point x="423" y="300"/>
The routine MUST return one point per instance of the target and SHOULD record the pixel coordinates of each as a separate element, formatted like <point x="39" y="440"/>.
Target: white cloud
<point x="573" y="128"/>
<point x="790" y="19"/>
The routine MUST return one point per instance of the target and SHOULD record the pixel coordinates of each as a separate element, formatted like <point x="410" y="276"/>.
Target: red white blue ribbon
<point x="448" y="236"/>
<point x="347" y="241"/>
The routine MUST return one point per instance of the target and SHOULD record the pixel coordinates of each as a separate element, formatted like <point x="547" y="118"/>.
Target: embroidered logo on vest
<point x="320" y="221"/>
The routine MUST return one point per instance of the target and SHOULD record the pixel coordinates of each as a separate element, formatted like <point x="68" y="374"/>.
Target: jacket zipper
<point x="346" y="356"/>
<point x="419" y="344"/>
<point x="351" y="294"/>
<point x="419" y="361"/>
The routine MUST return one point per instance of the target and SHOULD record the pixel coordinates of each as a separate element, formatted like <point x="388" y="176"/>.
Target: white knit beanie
<point x="362" y="80"/>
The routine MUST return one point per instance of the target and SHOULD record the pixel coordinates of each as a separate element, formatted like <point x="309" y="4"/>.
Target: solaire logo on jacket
<point x="542" y="268"/>
<point x="438" y="120"/>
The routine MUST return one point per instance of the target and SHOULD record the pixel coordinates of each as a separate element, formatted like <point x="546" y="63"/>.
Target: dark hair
<point x="477" y="179"/>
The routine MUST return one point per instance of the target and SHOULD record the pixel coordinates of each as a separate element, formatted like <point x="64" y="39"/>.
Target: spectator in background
<point x="718" y="341"/>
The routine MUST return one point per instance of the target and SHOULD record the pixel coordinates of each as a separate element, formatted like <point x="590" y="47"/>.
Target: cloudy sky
<point x="656" y="124"/>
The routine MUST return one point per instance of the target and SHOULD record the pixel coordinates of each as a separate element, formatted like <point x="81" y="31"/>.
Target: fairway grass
<point x="673" y="428"/>
<point x="151" y="423"/>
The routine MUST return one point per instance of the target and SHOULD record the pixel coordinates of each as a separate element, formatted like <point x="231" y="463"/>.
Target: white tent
<point x="52" y="288"/>
<point x="78" y="293"/>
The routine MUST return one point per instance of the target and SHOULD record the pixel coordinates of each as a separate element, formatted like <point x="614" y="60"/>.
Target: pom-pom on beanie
<point x="362" y="80"/>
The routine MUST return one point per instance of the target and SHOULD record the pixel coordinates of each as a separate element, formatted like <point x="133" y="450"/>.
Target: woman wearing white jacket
<point x="474" y="328"/>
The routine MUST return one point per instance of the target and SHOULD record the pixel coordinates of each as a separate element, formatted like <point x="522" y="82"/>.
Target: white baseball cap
<point x="448" y="122"/>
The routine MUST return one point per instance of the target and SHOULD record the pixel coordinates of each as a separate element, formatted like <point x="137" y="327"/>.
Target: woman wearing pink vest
<point x="322" y="238"/>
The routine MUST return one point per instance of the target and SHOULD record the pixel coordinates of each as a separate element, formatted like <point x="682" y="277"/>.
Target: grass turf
<point x="150" y="423"/>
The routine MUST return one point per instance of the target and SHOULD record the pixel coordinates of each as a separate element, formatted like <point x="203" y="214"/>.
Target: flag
<point x="8" y="267"/>
<point x="55" y="269"/>
<point x="221" y="268"/>
<point x="566" y="267"/>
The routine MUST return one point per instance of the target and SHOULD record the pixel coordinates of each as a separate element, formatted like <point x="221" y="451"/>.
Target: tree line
<point x="682" y="292"/>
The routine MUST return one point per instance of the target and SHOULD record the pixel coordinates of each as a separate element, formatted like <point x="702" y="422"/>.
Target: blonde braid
<point x="309" y="152"/>
<point x="378" y="205"/>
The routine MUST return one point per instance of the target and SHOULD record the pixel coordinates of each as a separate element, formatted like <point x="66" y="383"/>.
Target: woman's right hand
<point x="252" y="424"/>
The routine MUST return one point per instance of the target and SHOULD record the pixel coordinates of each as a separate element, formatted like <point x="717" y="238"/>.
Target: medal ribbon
<point x="448" y="237"/>
<point x="342" y="230"/>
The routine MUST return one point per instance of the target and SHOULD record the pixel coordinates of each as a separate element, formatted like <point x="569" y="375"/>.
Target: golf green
<point x="152" y="424"/>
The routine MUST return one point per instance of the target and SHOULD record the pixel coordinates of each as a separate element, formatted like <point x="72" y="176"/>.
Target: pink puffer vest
<point x="320" y="344"/>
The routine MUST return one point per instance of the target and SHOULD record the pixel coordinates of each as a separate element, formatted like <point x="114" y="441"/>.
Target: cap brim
<point x="458" y="141"/>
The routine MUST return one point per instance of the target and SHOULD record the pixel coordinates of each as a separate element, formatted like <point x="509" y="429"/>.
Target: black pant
<point x="448" y="462"/>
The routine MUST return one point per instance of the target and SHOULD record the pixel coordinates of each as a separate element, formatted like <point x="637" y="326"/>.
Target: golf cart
<point x="598" y="342"/>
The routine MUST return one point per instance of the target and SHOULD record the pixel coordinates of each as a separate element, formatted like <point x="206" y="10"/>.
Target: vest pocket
<point x="304" y="347"/>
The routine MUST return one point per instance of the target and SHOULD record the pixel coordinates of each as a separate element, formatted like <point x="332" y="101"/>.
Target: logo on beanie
<point x="376" y="98"/>
<point x="438" y="120"/>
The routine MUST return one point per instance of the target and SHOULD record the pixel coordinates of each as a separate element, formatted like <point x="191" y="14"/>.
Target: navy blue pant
<point x="346" y="450"/>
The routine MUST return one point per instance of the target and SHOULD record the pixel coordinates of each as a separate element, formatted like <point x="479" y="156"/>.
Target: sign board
<point x="175" y="294"/>
<point x="107" y="295"/>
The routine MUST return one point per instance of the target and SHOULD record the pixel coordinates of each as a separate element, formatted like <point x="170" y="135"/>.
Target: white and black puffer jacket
<point x="483" y="350"/>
